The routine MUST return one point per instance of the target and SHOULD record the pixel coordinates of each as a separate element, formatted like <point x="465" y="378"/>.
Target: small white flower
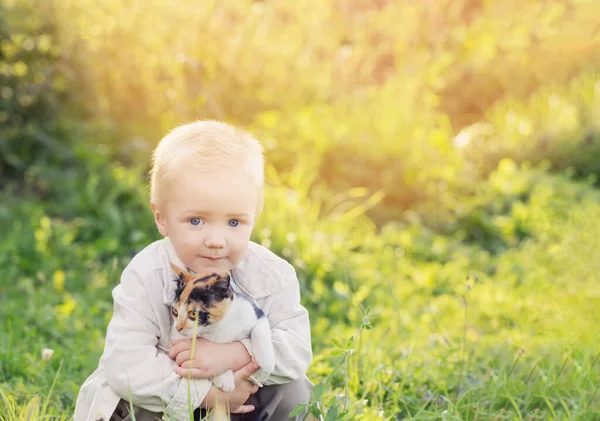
<point x="47" y="354"/>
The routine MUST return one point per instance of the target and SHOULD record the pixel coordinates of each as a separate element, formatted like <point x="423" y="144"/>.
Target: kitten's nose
<point x="179" y="329"/>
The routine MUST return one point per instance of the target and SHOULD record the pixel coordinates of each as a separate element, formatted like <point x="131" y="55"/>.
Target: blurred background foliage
<point x="410" y="146"/>
<point x="342" y="89"/>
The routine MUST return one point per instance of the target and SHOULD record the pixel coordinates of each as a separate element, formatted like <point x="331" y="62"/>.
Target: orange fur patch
<point x="218" y="311"/>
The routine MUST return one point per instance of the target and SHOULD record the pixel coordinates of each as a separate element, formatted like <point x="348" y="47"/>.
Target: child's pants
<point x="272" y="403"/>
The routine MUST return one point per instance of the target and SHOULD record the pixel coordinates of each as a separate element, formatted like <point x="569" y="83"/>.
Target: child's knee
<point x="122" y="413"/>
<point x="286" y="397"/>
<point x="296" y="392"/>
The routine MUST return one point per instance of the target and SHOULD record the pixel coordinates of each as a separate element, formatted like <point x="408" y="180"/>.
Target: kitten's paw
<point x="266" y="362"/>
<point x="225" y="381"/>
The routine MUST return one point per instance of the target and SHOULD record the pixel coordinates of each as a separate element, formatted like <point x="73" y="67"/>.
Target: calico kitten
<point x="206" y="306"/>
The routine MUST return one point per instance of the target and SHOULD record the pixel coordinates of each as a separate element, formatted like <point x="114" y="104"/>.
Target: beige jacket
<point x="135" y="365"/>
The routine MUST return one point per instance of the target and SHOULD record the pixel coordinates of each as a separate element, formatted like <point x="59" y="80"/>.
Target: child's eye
<point x="234" y="223"/>
<point x="174" y="312"/>
<point x="195" y="221"/>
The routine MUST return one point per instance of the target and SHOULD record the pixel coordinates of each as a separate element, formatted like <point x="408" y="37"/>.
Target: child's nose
<point x="214" y="239"/>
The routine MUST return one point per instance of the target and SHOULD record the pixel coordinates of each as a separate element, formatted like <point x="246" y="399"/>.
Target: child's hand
<point x="238" y="397"/>
<point x="209" y="358"/>
<point x="204" y="364"/>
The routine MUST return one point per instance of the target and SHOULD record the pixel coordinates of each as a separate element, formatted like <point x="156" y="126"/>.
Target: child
<point x="206" y="195"/>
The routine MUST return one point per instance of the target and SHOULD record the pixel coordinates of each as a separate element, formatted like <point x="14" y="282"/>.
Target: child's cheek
<point x="190" y="240"/>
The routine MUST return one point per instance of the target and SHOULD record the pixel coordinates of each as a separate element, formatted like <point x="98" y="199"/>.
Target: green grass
<point x="461" y="331"/>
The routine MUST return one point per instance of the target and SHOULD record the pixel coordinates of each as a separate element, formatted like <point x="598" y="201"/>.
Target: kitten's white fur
<point x="239" y="322"/>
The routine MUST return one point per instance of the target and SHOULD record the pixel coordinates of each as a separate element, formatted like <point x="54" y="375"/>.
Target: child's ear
<point x="159" y="219"/>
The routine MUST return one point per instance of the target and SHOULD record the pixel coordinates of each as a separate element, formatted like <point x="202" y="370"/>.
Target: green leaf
<point x="316" y="392"/>
<point x="298" y="409"/>
<point x="315" y="411"/>
<point x="332" y="413"/>
<point x="338" y="351"/>
<point x="337" y="343"/>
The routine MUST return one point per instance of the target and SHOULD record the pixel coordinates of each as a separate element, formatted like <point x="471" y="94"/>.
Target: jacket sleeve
<point x="136" y="369"/>
<point x="290" y="333"/>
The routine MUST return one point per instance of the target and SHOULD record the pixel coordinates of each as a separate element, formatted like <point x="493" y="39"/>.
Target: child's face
<point x="209" y="217"/>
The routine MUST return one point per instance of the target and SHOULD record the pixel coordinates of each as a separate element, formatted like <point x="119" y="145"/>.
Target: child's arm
<point x="290" y="331"/>
<point x="135" y="369"/>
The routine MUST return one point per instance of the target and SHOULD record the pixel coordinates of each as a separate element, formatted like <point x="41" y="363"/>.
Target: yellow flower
<point x="66" y="308"/>
<point x="58" y="280"/>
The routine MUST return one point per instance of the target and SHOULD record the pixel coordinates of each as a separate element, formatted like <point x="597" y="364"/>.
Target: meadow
<point x="434" y="183"/>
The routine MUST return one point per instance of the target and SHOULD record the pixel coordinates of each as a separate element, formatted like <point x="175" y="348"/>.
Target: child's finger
<point x="182" y="357"/>
<point x="244" y="409"/>
<point x="202" y="372"/>
<point x="179" y="347"/>
<point x="191" y="364"/>
<point x="193" y="373"/>
<point x="248" y="370"/>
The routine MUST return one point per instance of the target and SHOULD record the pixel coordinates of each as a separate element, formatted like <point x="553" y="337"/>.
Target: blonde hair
<point x="205" y="145"/>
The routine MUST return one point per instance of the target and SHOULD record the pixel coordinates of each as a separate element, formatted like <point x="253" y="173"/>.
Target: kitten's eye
<point x="174" y="312"/>
<point x="193" y="315"/>
<point x="195" y="221"/>
<point x="234" y="223"/>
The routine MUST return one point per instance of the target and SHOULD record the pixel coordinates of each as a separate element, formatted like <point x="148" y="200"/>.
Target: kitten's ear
<point x="222" y="284"/>
<point x="223" y="279"/>
<point x="182" y="274"/>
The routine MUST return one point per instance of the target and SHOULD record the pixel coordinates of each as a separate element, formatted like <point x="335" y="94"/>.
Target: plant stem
<point x="463" y="346"/>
